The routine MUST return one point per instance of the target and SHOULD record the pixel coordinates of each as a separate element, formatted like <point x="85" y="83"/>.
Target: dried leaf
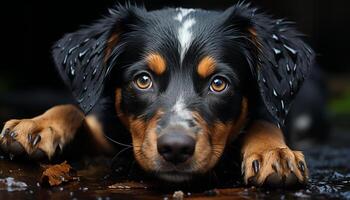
<point x="57" y="174"/>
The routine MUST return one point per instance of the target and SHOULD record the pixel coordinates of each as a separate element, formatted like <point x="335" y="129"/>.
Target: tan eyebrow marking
<point x="206" y="66"/>
<point x="156" y="63"/>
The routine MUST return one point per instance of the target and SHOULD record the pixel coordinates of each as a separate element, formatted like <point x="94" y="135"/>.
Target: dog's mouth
<point x="175" y="176"/>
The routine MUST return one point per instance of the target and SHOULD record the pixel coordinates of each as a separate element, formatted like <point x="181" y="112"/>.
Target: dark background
<point x="28" y="77"/>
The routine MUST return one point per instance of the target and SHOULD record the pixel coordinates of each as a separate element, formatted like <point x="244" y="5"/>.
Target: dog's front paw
<point x="280" y="167"/>
<point x="27" y="136"/>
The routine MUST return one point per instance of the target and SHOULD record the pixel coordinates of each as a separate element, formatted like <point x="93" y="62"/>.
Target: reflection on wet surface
<point x="329" y="168"/>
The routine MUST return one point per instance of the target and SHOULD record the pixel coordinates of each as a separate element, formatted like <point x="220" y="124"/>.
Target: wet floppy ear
<point x="279" y="60"/>
<point x="85" y="58"/>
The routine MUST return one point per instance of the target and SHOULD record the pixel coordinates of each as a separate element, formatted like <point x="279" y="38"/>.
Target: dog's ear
<point x="85" y="58"/>
<point x="279" y="60"/>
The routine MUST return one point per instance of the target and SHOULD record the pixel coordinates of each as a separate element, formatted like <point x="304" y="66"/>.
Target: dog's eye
<point x="218" y="84"/>
<point x="143" y="81"/>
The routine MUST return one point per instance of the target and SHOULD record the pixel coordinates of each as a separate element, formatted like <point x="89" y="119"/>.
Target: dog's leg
<point x="268" y="161"/>
<point x="40" y="136"/>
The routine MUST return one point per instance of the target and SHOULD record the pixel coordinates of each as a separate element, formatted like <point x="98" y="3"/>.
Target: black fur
<point x="261" y="58"/>
<point x="279" y="63"/>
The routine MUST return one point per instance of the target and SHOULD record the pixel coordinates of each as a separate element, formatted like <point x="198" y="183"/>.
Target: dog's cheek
<point x="144" y="138"/>
<point x="203" y="150"/>
<point x="212" y="140"/>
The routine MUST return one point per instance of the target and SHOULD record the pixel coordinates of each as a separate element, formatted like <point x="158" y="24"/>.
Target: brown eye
<point x="218" y="84"/>
<point x="143" y="81"/>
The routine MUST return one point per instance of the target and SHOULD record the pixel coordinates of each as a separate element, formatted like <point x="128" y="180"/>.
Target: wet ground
<point x="329" y="167"/>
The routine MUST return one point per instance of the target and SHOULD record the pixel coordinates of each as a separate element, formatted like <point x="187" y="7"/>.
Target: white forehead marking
<point x="180" y="109"/>
<point x="183" y="12"/>
<point x="184" y="32"/>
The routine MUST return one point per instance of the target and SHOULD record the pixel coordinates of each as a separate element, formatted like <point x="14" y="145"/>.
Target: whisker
<point x="119" y="143"/>
<point x="121" y="151"/>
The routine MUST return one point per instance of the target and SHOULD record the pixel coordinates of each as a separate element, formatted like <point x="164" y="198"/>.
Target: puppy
<point x="182" y="84"/>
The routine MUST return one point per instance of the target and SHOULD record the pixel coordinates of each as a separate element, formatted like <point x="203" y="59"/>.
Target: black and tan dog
<point x="184" y="83"/>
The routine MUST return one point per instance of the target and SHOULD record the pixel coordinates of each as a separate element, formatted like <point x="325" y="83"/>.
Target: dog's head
<point x="182" y="78"/>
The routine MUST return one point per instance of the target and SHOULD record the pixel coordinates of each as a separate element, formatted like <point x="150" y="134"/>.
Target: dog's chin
<point x="175" y="177"/>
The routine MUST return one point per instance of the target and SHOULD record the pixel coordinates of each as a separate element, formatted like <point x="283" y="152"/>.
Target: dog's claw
<point x="30" y="138"/>
<point x="256" y="166"/>
<point x="5" y="132"/>
<point x="13" y="134"/>
<point x="36" y="140"/>
<point x="301" y="166"/>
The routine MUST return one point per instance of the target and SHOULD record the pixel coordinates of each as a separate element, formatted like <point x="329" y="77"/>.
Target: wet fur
<point x="264" y="60"/>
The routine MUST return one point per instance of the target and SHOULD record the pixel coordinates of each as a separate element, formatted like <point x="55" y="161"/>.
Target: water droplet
<point x="282" y="104"/>
<point x="85" y="41"/>
<point x="282" y="29"/>
<point x="94" y="72"/>
<point x="72" y="70"/>
<point x="275" y="37"/>
<point x="295" y="68"/>
<point x="290" y="49"/>
<point x="81" y="100"/>
<point x="65" y="60"/>
<point x="70" y="51"/>
<point x="276" y="51"/>
<point x="11" y="156"/>
<point x="274" y="93"/>
<point x="288" y="68"/>
<point x="279" y="21"/>
<point x="254" y="11"/>
<point x="82" y="54"/>
<point x="85" y="89"/>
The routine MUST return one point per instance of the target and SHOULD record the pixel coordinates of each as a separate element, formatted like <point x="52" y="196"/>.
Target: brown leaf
<point x="57" y="174"/>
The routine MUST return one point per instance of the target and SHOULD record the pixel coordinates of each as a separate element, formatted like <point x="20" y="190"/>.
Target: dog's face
<point x="180" y="95"/>
<point x="181" y="78"/>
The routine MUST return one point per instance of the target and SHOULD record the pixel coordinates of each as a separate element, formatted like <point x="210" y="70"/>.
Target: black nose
<point x="176" y="148"/>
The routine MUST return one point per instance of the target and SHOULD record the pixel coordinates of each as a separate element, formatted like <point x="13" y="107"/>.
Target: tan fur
<point x="212" y="141"/>
<point x="206" y="67"/>
<point x="156" y="63"/>
<point x="57" y="127"/>
<point x="264" y="142"/>
<point x="144" y="141"/>
<point x="209" y="146"/>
